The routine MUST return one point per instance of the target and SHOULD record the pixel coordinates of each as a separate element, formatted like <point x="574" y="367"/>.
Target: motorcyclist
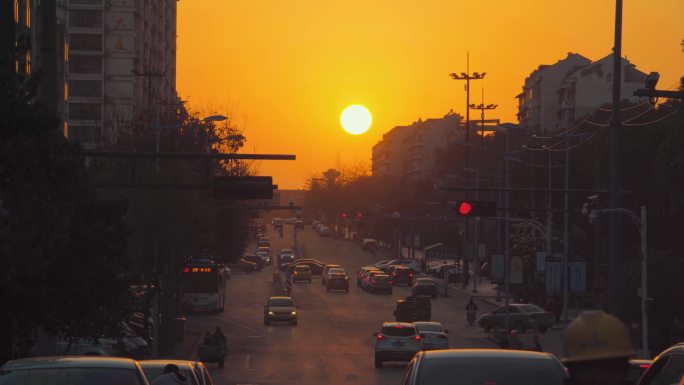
<point x="597" y="348"/>
<point x="471" y="310"/>
<point x="218" y="338"/>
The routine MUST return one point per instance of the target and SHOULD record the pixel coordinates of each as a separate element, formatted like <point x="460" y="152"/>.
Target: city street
<point x="333" y="342"/>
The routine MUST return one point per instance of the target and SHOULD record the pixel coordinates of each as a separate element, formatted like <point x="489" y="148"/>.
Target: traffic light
<point x="468" y="208"/>
<point x="359" y="216"/>
<point x="344" y="215"/>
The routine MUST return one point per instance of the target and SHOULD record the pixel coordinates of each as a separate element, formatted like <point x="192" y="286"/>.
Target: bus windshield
<point x="200" y="283"/>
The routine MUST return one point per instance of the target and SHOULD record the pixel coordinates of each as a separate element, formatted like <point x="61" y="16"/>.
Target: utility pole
<point x="614" y="172"/>
<point x="478" y="229"/>
<point x="467" y="77"/>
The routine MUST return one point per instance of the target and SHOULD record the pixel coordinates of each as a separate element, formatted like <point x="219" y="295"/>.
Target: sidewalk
<point x="551" y="341"/>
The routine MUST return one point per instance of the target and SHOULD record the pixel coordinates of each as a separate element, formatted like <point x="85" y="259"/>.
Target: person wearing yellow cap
<point x="597" y="349"/>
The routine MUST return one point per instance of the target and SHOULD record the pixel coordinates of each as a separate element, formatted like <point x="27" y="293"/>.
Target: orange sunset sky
<point x="283" y="70"/>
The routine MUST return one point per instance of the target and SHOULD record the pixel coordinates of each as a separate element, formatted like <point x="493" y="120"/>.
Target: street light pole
<point x="467" y="77"/>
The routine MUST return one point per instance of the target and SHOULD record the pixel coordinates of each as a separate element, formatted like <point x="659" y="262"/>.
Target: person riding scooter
<point x="471" y="311"/>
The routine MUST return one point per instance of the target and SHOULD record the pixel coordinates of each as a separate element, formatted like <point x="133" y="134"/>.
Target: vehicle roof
<point x="286" y="251"/>
<point x="280" y="297"/>
<point x="163" y="363"/>
<point x="400" y="324"/>
<point x="419" y="323"/>
<point x="424" y="280"/>
<point x="332" y="265"/>
<point x="69" y="362"/>
<point x="485" y="353"/>
<point x="302" y="266"/>
<point x="381" y="275"/>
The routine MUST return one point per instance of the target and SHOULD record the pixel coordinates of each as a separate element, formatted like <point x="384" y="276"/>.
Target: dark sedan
<point x="424" y="286"/>
<point x="522" y="316"/>
<point x="337" y="281"/>
<point x="474" y="366"/>
<point x="315" y="266"/>
<point x="243" y="266"/>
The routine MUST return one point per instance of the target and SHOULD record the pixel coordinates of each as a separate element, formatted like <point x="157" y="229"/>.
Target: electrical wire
<point x="574" y="146"/>
<point x="651" y="108"/>
<point x="537" y="165"/>
<point x="623" y="109"/>
<point x="487" y="149"/>
<point x="654" y="121"/>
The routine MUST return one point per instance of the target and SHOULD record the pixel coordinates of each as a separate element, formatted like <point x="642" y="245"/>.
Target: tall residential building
<point x="409" y="151"/>
<point x="115" y="59"/>
<point x="587" y="88"/>
<point x="538" y="102"/>
<point x="555" y="96"/>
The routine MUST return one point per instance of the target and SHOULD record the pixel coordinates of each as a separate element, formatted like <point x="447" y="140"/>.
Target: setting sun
<point x="356" y="119"/>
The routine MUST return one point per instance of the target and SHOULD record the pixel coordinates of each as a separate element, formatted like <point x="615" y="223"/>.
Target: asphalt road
<point x="333" y="343"/>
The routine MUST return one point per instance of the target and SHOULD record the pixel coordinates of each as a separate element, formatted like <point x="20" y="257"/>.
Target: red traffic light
<point x="344" y="215"/>
<point x="465" y="208"/>
<point x="359" y="216"/>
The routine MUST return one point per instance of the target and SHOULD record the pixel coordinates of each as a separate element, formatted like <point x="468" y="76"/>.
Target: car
<point x="255" y="259"/>
<point x="325" y="232"/>
<point x="315" y="266"/>
<point x="264" y="249"/>
<point x="522" y="316"/>
<point x="337" y="281"/>
<point x="637" y="368"/>
<point x="330" y="270"/>
<point x="301" y="273"/>
<point x="243" y="265"/>
<point x="361" y="272"/>
<point x="413" y="308"/>
<point x="263" y="243"/>
<point x="73" y="370"/>
<point x="402" y="275"/>
<point x="369" y="244"/>
<point x="368" y="276"/>
<point x="264" y="257"/>
<point x="396" y="341"/>
<point x="380" y="282"/>
<point x="412" y="263"/>
<point x="667" y="367"/>
<point x="195" y="371"/>
<point x="432" y="335"/>
<point x="299" y="224"/>
<point x="264" y="239"/>
<point x="285" y="256"/>
<point x="326" y="268"/>
<point x="227" y="273"/>
<point x="484" y="366"/>
<point x="424" y="286"/>
<point x="280" y="309"/>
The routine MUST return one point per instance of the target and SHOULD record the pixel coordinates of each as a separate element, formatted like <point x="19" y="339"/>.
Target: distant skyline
<point x="285" y="70"/>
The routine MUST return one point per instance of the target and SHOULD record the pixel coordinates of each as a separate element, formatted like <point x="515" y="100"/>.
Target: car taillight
<point x="416" y="337"/>
<point x="410" y="274"/>
<point x="644" y="366"/>
<point x="380" y="337"/>
<point x="390" y="282"/>
<point x="394" y="274"/>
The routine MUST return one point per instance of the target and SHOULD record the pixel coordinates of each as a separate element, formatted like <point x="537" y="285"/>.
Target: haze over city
<point x="285" y="70"/>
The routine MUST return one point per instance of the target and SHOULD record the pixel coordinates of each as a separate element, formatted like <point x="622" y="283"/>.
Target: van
<point x="413" y="308"/>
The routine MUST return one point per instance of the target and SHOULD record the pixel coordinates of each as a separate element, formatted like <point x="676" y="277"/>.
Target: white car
<point x="396" y="341"/>
<point x="432" y="335"/>
<point x="331" y="271"/>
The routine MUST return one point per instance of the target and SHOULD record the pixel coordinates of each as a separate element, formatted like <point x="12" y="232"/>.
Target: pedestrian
<point x="537" y="344"/>
<point x="171" y="376"/>
<point x="513" y="340"/>
<point x="597" y="349"/>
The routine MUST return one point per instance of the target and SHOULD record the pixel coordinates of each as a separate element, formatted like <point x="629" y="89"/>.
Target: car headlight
<point x="271" y="313"/>
<point x="293" y="313"/>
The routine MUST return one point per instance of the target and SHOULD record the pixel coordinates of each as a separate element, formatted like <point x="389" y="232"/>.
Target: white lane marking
<point x="248" y="358"/>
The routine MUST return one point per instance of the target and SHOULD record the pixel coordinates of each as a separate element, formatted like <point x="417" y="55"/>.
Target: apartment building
<point x="587" y="88"/>
<point x="115" y="58"/>
<point x="556" y="96"/>
<point x="409" y="151"/>
<point x="538" y="103"/>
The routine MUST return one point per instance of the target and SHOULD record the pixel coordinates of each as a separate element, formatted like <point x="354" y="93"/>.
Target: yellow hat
<point x="596" y="335"/>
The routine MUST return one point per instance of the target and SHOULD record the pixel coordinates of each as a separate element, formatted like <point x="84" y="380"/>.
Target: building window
<point x="85" y="42"/>
<point x="85" y="64"/>
<point x="85" y="111"/>
<point x="85" y="88"/>
<point x="85" y="134"/>
<point x="84" y="18"/>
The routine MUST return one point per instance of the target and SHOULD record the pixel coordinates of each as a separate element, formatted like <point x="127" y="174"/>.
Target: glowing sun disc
<point x="356" y="119"/>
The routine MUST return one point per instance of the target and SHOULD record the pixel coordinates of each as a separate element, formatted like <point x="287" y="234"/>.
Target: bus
<point x="203" y="287"/>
